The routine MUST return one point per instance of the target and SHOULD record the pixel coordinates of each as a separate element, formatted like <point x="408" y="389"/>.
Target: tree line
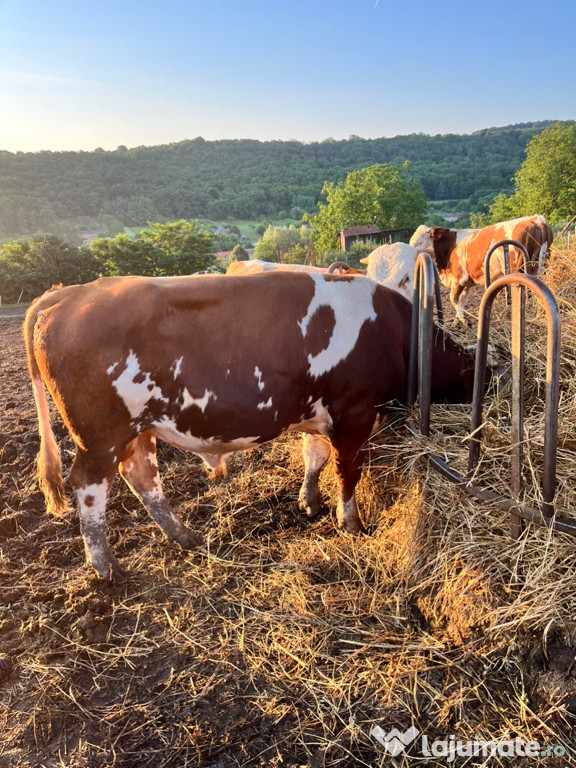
<point x="30" y="266"/>
<point x="66" y="193"/>
<point x="380" y="194"/>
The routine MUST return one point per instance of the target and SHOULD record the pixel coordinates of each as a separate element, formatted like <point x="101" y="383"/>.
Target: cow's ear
<point x="437" y="232"/>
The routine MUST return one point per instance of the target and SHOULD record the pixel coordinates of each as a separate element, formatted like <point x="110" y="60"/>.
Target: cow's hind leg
<point x="139" y="469"/>
<point x="316" y="451"/>
<point x="91" y="483"/>
<point x="348" y="459"/>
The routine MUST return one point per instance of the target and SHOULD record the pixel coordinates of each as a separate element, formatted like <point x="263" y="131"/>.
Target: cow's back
<point x="255" y="267"/>
<point x="530" y="231"/>
<point x="218" y="355"/>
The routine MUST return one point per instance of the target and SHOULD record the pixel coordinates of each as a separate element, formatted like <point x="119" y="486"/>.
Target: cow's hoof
<point x="111" y="572"/>
<point x="355" y="527"/>
<point x="5" y="668"/>
<point x="311" y="510"/>
<point x="218" y="476"/>
<point x="188" y="540"/>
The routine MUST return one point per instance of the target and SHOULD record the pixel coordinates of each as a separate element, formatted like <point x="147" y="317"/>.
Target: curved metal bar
<point x="546" y="297"/>
<point x="341" y="266"/>
<point x="439" y="309"/>
<point x="485" y="494"/>
<point x="505" y="245"/>
<point x="421" y="338"/>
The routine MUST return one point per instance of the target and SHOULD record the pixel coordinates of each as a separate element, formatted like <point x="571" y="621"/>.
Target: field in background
<point x="283" y="643"/>
<point x="251" y="228"/>
<point x="248" y="227"/>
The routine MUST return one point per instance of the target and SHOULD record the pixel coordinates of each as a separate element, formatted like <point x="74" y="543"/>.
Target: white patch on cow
<point x="319" y="423"/>
<point x="176" y="367"/>
<point x="136" y="394"/>
<point x="258" y="375"/>
<point x="509" y="226"/>
<point x="316" y="452"/>
<point x="166" y="429"/>
<point x="111" y="369"/>
<point x="267" y="404"/>
<point x="97" y="493"/>
<point x="201" y="402"/>
<point x="464" y="267"/>
<point x="461" y="234"/>
<point x="91" y="508"/>
<point x="228" y="372"/>
<point x="392" y="265"/>
<point x="351" y="302"/>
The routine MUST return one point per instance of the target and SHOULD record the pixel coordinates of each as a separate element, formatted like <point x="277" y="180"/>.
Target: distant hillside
<point x="537" y="126"/>
<point x="67" y="193"/>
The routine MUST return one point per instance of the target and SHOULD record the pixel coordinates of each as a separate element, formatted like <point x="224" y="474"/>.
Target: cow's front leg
<point x="458" y="298"/>
<point x="316" y="452"/>
<point x="348" y="471"/>
<point x="139" y="469"/>
<point x="92" y="490"/>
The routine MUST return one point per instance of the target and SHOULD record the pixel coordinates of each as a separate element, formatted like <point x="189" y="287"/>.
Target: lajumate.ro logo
<point x="396" y="741"/>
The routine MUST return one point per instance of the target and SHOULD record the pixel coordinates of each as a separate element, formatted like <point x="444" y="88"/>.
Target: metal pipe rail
<point x="505" y="245"/>
<point x="426" y="290"/>
<point x="419" y="379"/>
<point x="339" y="266"/>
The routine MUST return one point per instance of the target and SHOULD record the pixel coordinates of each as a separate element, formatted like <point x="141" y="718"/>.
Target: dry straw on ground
<point x="282" y="643"/>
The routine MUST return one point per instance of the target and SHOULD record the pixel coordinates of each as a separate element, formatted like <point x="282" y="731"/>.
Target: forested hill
<point x="68" y="192"/>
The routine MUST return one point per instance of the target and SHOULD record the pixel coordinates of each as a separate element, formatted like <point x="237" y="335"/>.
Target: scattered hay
<point x="283" y="643"/>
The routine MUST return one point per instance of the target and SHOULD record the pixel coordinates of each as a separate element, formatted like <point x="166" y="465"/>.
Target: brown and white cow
<point x="215" y="364"/>
<point x="422" y="237"/>
<point x="460" y="260"/>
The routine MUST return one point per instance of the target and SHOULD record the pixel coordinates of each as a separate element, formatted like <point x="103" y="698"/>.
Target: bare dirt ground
<point x="276" y="643"/>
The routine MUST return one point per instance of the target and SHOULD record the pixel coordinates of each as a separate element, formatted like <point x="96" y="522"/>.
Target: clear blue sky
<point x="80" y="75"/>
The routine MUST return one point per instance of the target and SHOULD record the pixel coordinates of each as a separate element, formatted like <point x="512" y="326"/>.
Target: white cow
<point x="393" y="265"/>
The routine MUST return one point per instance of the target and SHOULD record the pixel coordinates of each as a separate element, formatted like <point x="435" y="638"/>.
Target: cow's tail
<point x="49" y="464"/>
<point x="546" y="239"/>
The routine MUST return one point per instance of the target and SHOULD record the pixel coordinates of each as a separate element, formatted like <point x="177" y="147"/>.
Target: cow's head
<point x="453" y="369"/>
<point x="421" y="237"/>
<point x="425" y="238"/>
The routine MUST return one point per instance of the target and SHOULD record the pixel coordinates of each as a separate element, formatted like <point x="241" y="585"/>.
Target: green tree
<point x="380" y="194"/>
<point x="122" y="256"/>
<point x="546" y="182"/>
<point x="29" y="267"/>
<point x="186" y="247"/>
<point x="239" y="254"/>
<point x="284" y="244"/>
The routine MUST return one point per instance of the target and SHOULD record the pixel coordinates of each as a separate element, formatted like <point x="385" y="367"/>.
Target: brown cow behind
<point x="215" y="364"/>
<point x="460" y="262"/>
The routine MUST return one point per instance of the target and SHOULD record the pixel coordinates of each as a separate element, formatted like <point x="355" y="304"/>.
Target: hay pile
<point x="281" y="643"/>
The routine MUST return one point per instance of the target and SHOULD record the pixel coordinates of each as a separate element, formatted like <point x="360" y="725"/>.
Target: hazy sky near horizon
<point x="77" y="75"/>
